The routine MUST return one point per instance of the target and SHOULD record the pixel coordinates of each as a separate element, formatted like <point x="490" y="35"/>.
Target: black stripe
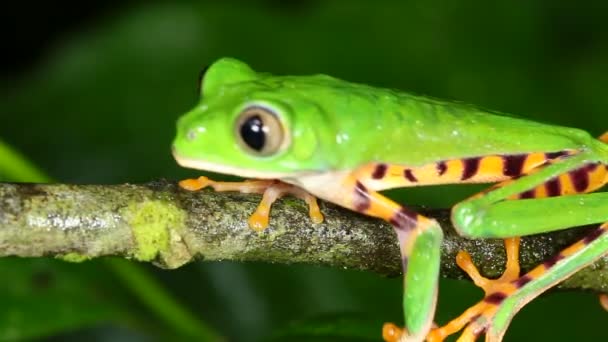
<point x="404" y="219"/>
<point x="555" y="155"/>
<point x="596" y="233"/>
<point x="379" y="172"/>
<point x="553" y="260"/>
<point x="513" y="164"/>
<point x="471" y="165"/>
<point x="527" y="194"/>
<point x="580" y="177"/>
<point x="553" y="187"/>
<point x="441" y="168"/>
<point x="495" y="298"/>
<point x="409" y="175"/>
<point x="361" y="200"/>
<point x="521" y="281"/>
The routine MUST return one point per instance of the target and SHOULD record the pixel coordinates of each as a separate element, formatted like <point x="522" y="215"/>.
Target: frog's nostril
<point x="191" y="135"/>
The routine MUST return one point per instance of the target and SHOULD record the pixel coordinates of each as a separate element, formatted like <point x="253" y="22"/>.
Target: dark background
<point x="90" y="93"/>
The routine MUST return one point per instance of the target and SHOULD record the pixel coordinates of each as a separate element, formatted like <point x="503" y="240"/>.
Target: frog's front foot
<point x="271" y="190"/>
<point x="478" y="318"/>
<point x="393" y="333"/>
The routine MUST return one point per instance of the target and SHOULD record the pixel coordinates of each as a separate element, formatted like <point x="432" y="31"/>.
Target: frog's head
<point x="251" y="125"/>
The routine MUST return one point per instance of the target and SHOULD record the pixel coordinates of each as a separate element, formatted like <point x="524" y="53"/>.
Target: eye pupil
<point x="253" y="132"/>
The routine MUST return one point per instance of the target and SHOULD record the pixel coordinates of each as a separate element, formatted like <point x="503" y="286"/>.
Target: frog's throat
<point x="237" y="171"/>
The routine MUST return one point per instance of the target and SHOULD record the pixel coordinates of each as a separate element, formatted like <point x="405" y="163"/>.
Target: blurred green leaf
<point x="334" y="327"/>
<point x="46" y="297"/>
<point x="133" y="277"/>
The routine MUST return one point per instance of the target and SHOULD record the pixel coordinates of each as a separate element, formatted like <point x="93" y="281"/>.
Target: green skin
<point x="333" y="127"/>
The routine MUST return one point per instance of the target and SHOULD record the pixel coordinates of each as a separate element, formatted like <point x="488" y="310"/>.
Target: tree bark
<point x="160" y="223"/>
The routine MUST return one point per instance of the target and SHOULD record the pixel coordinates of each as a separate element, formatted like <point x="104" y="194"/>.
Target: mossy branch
<point x="161" y="223"/>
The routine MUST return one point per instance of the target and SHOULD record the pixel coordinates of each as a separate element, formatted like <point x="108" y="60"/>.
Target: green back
<point x="336" y="124"/>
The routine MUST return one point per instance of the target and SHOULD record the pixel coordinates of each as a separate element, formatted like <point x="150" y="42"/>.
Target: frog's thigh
<point x="495" y="214"/>
<point x="505" y="296"/>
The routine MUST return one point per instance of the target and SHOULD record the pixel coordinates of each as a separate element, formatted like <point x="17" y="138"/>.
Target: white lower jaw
<point x="235" y="171"/>
<point x="325" y="185"/>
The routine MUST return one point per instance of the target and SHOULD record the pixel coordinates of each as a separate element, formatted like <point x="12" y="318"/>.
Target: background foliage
<point x="91" y="95"/>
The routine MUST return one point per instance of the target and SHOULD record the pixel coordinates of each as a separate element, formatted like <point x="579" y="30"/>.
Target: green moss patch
<point x="152" y="222"/>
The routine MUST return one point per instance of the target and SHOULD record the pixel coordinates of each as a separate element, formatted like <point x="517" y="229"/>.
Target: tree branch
<point x="158" y="222"/>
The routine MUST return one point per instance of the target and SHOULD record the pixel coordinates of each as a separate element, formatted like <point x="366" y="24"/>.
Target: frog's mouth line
<point x="232" y="170"/>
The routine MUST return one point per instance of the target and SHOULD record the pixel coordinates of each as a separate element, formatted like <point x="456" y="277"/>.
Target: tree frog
<point x="322" y="137"/>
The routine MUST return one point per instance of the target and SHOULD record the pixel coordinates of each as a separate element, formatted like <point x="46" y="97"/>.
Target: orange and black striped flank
<point x="482" y="169"/>
<point x="500" y="167"/>
<point x="584" y="179"/>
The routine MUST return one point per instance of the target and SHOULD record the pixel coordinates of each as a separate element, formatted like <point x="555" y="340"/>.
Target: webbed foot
<point x="479" y="317"/>
<point x="393" y="333"/>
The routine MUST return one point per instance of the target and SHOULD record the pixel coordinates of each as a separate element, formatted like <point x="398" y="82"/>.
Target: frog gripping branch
<point x="343" y="142"/>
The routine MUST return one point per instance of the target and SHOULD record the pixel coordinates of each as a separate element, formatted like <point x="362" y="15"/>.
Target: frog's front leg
<point x="270" y="188"/>
<point x="498" y="213"/>
<point x="420" y="244"/>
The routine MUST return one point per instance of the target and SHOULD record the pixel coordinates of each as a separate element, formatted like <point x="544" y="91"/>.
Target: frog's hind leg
<point x="420" y="243"/>
<point x="271" y="190"/>
<point x="505" y="296"/>
<point x="492" y="214"/>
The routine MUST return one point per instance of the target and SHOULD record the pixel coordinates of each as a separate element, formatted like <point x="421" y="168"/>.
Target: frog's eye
<point x="260" y="131"/>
